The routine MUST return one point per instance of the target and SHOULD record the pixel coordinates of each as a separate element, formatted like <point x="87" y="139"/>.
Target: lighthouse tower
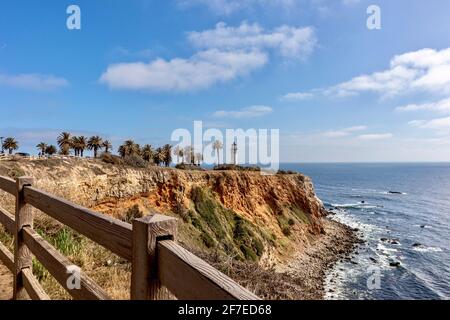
<point x="234" y="150"/>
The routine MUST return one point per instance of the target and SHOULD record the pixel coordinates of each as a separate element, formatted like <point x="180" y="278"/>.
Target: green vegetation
<point x="10" y="144"/>
<point x="233" y="167"/>
<point x="95" y="143"/>
<point x="289" y="218"/>
<point x="224" y="229"/>
<point x="16" y="172"/>
<point x="301" y="215"/>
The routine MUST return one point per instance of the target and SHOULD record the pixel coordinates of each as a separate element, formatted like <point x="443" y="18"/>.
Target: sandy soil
<point x="5" y="283"/>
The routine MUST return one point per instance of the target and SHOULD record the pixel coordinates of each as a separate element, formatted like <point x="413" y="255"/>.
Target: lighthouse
<point x="234" y="150"/>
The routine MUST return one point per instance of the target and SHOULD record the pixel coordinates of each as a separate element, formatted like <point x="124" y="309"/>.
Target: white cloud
<point x="202" y="70"/>
<point x="248" y="112"/>
<point x="288" y="41"/>
<point x="350" y="2"/>
<point x="297" y="96"/>
<point x="226" y="53"/>
<point x="442" y="106"/>
<point x="343" y="132"/>
<point x="435" y="124"/>
<point x="227" y="7"/>
<point x="376" y="136"/>
<point x="425" y="71"/>
<point x="38" y="82"/>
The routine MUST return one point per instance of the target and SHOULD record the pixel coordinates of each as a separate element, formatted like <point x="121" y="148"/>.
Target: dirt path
<point x="5" y="283"/>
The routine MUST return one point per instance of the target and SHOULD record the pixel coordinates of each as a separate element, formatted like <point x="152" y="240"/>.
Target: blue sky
<point x="311" y="68"/>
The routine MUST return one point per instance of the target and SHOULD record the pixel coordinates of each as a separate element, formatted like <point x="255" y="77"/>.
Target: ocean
<point x="402" y="211"/>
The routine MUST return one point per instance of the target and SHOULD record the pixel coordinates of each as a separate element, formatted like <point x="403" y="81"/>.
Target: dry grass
<point x="265" y="283"/>
<point x="109" y="271"/>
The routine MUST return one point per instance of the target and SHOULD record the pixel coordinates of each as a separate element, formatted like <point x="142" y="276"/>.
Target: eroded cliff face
<point x="245" y="214"/>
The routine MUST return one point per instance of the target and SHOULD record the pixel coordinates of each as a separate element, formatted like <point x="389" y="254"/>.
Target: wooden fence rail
<point x="161" y="269"/>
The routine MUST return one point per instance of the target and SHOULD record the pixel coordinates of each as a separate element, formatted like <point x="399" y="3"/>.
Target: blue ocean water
<point x="411" y="227"/>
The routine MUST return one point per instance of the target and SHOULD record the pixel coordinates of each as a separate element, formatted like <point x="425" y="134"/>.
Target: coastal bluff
<point x="263" y="220"/>
<point x="284" y="206"/>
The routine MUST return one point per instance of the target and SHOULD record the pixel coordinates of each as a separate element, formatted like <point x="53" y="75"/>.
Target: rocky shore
<point x="310" y="266"/>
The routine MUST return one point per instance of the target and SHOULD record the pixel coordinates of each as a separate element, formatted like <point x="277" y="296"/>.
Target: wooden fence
<point x="160" y="267"/>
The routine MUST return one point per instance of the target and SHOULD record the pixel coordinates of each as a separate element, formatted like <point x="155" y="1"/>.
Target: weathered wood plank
<point x="8" y="185"/>
<point x="112" y="234"/>
<point x="7" y="220"/>
<point x="144" y="278"/>
<point x="7" y="257"/>
<point x="32" y="285"/>
<point x="190" y="278"/>
<point x="61" y="268"/>
<point x="22" y="255"/>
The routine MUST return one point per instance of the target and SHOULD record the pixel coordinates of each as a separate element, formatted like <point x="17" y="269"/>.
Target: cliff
<point x="243" y="214"/>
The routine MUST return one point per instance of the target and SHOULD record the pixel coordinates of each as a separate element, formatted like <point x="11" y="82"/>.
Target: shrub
<point x="249" y="253"/>
<point x="291" y="221"/>
<point x="135" y="161"/>
<point x="228" y="167"/>
<point x="133" y="213"/>
<point x="208" y="209"/>
<point x="281" y="172"/>
<point x="184" y="166"/>
<point x="208" y="240"/>
<point x="286" y="231"/>
<point x="38" y="270"/>
<point x="16" y="172"/>
<point x="67" y="242"/>
<point x="182" y="212"/>
<point x="111" y="159"/>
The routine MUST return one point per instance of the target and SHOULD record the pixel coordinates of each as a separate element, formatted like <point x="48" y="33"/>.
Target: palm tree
<point x="41" y="147"/>
<point x="79" y="144"/>
<point x="65" y="143"/>
<point x="158" y="156"/>
<point x="176" y="152"/>
<point x="147" y="153"/>
<point x="189" y="154"/>
<point x="10" y="144"/>
<point x="167" y="154"/>
<point x="198" y="158"/>
<point x="73" y="145"/>
<point x="179" y="153"/>
<point x="107" y="145"/>
<point x="218" y="145"/>
<point x="51" y="150"/>
<point x="82" y="145"/>
<point x="129" y="148"/>
<point x="95" y="143"/>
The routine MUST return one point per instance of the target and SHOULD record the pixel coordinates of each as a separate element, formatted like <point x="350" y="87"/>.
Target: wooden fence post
<point x="22" y="255"/>
<point x="147" y="232"/>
